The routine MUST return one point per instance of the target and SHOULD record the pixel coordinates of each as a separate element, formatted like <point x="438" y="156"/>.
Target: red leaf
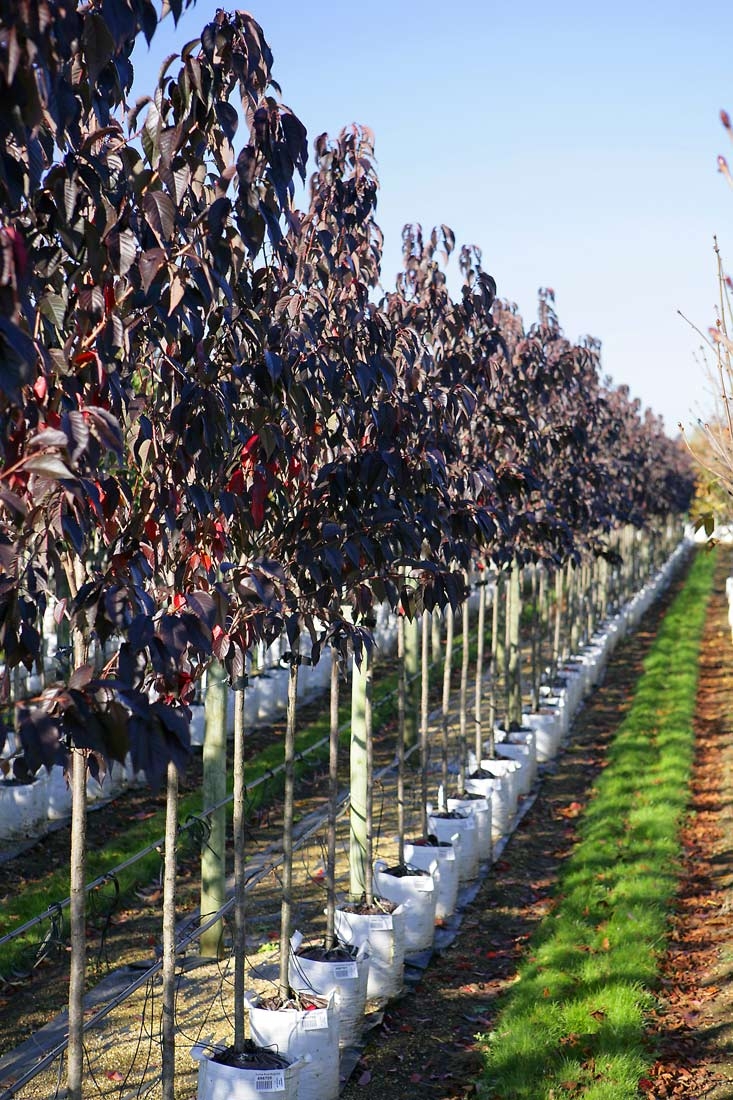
<point x="259" y="493"/>
<point x="221" y="643"/>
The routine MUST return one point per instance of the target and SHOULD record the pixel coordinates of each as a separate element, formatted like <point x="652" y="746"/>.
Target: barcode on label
<point x="316" y="1019"/>
<point x="270" y="1082"/>
<point x="380" y="923"/>
<point x="342" y="971"/>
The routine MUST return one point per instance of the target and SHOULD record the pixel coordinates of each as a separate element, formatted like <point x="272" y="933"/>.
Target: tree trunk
<point x="77" y="891"/>
<point x="368" y="716"/>
<point x="493" y="686"/>
<point x="574" y="624"/>
<point x="557" y="635"/>
<point x="214" y="789"/>
<point x="435" y="638"/>
<point x="77" y="923"/>
<point x="506" y="647"/>
<point x="479" y="680"/>
<point x="412" y="667"/>
<point x="514" y="650"/>
<point x="538" y="601"/>
<point x="447" y="669"/>
<point x="286" y="907"/>
<point x="360" y="855"/>
<point x="401" y="700"/>
<point x="238" y="815"/>
<point x="424" y="720"/>
<point x="333" y="794"/>
<point x="463" y="705"/>
<point x="168" y="974"/>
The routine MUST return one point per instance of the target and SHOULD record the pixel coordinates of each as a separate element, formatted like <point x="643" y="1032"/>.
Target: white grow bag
<point x="220" y="1082"/>
<point x="445" y="855"/>
<point x="311" y="1036"/>
<point x="416" y="893"/>
<point x="346" y="979"/>
<point x="384" y="933"/>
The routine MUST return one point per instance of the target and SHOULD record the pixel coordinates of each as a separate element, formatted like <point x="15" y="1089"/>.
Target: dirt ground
<point x="695" y="1022"/>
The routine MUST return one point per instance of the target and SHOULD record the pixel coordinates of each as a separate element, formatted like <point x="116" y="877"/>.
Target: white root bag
<point x="384" y="933"/>
<point x="547" y="725"/>
<point x="505" y="792"/>
<point x="446" y="874"/>
<point x="416" y="893"/>
<point x="468" y="852"/>
<point x="219" y="1082"/>
<point x="311" y="1036"/>
<point x="480" y="810"/>
<point x="345" y="979"/>
<point x="522" y="748"/>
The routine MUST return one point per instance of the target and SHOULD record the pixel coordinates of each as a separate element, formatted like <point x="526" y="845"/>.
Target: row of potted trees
<point x="215" y="433"/>
<point x="333" y="978"/>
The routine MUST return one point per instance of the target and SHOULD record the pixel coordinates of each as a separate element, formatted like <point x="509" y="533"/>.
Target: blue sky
<point x="575" y="143"/>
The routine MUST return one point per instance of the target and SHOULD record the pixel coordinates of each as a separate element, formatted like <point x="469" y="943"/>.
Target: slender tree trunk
<point x="424" y="732"/>
<point x="557" y="636"/>
<point x="479" y="681"/>
<point x="493" y="664"/>
<point x="603" y="589"/>
<point x="463" y="716"/>
<point x="412" y="667"/>
<point x="286" y="906"/>
<point x="368" y="722"/>
<point x="168" y="973"/>
<point x="514" y="649"/>
<point x="214" y="789"/>
<point x="77" y="891"/>
<point x="435" y="638"/>
<point x="333" y="795"/>
<point x="506" y="645"/>
<point x="359" y="837"/>
<point x="77" y="923"/>
<point x="240" y="915"/>
<point x="572" y="590"/>
<point x="401" y="699"/>
<point x="539" y="587"/>
<point x="447" y="669"/>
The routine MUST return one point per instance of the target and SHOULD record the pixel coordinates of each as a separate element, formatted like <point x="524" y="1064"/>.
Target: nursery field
<point x="242" y="463"/>
<point x="438" y="1039"/>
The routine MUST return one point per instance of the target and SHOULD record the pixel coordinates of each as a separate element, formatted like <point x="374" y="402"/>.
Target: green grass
<point x="573" y="1024"/>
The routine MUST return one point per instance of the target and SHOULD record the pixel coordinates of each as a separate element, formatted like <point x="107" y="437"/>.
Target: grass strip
<point x="573" y="1024"/>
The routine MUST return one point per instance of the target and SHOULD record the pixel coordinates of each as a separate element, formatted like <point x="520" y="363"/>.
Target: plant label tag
<point x="344" y="971"/>
<point x="316" y="1019"/>
<point x="380" y="924"/>
<point x="271" y="1081"/>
